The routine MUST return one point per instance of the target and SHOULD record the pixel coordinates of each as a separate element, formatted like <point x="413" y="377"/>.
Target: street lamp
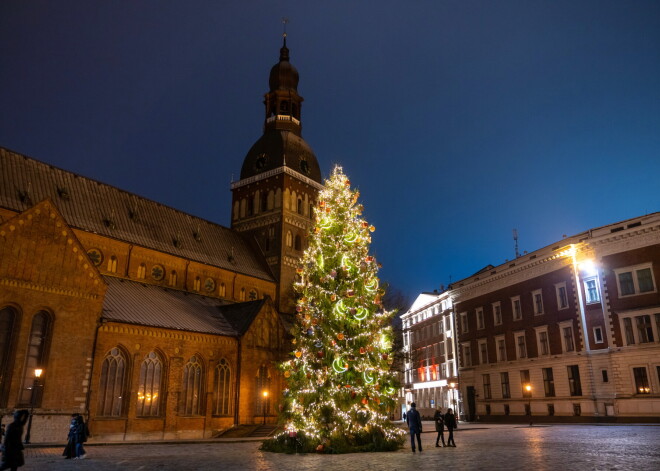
<point x="528" y="388"/>
<point x="35" y="385"/>
<point x="265" y="393"/>
<point x="452" y="386"/>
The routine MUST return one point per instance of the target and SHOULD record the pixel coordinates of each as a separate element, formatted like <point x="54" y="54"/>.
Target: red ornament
<point x="353" y="394"/>
<point x="363" y="350"/>
<point x="320" y="353"/>
<point x="384" y="356"/>
<point x="365" y="401"/>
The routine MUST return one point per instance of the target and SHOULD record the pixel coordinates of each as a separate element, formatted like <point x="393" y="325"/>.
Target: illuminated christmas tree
<point x="340" y="388"/>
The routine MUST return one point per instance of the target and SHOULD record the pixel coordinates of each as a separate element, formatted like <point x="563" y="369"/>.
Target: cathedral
<point x="150" y="322"/>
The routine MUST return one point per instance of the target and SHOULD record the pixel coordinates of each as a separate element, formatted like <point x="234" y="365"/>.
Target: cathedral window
<point x="263" y="386"/>
<point x="222" y="390"/>
<point x="263" y="207"/>
<point x="270" y="200"/>
<point x="250" y="207"/>
<point x="111" y="387"/>
<point x="142" y="271"/>
<point x="36" y="357"/>
<point x="191" y="394"/>
<point x="197" y="284"/>
<point x="299" y="206"/>
<point x="149" y="386"/>
<point x="298" y="243"/>
<point x="278" y="198"/>
<point x="222" y="291"/>
<point x="112" y="264"/>
<point x="7" y="322"/>
<point x="243" y="207"/>
<point x="242" y="295"/>
<point x="289" y="239"/>
<point x="172" y="281"/>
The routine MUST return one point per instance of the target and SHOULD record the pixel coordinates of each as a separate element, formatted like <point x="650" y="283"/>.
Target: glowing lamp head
<point x="37" y="372"/>
<point x="452" y="385"/>
<point x="528" y="388"/>
<point x="588" y="268"/>
<point x="265" y="393"/>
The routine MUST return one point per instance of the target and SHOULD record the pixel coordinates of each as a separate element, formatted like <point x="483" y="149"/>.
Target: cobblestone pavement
<point x="582" y="447"/>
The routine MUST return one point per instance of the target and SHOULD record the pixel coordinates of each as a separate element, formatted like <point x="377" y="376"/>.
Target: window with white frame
<point x="516" y="308"/>
<point x="464" y="322"/>
<point x="467" y="355"/>
<point x="591" y="291"/>
<point x="483" y="351"/>
<point x="566" y="332"/>
<point x="598" y="334"/>
<point x="480" y="318"/>
<point x="537" y="299"/>
<point x="640" y="327"/>
<point x="542" y="341"/>
<point x="521" y="344"/>
<point x="562" y="296"/>
<point x="497" y="313"/>
<point x="501" y="348"/>
<point x="635" y="280"/>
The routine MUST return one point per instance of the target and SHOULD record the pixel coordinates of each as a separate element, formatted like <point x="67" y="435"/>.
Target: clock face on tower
<point x="261" y="161"/>
<point x="304" y="166"/>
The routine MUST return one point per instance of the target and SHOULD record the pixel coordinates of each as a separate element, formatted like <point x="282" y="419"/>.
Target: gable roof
<point x="241" y="315"/>
<point x="141" y="304"/>
<point x="93" y="206"/>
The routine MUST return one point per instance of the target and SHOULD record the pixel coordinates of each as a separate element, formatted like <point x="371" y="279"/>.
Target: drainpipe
<point x="99" y="324"/>
<point x="238" y="382"/>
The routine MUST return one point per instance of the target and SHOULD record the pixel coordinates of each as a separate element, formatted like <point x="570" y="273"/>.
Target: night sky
<point x="457" y="120"/>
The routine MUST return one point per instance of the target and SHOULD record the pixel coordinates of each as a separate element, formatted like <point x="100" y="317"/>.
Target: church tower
<point x="280" y="179"/>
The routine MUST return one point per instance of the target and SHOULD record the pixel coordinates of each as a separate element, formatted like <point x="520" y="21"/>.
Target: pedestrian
<point x="12" y="448"/>
<point x="70" y="448"/>
<point x="439" y="427"/>
<point x="450" y="423"/>
<point x="80" y="437"/>
<point x="404" y="418"/>
<point x="415" y="425"/>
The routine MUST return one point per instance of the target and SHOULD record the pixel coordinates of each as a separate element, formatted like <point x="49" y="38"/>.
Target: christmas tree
<point x="340" y="389"/>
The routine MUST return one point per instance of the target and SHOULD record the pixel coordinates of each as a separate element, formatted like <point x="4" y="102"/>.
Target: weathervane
<point x="284" y="22"/>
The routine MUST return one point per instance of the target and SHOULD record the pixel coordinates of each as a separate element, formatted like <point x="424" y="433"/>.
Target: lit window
<point x="222" y="290"/>
<point x="524" y="382"/>
<point x="149" y="386"/>
<point x="635" y="280"/>
<point x="112" y="264"/>
<point x="172" y="280"/>
<point x="642" y="385"/>
<point x="197" y="284"/>
<point x="142" y="271"/>
<point x="591" y="290"/>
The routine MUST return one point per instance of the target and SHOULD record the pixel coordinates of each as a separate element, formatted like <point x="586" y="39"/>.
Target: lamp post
<point x="452" y="386"/>
<point x="528" y="388"/>
<point x="35" y="385"/>
<point x="265" y="394"/>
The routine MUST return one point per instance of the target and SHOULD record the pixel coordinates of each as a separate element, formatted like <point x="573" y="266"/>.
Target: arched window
<point x="289" y="239"/>
<point x="172" y="281"/>
<point x="149" y="386"/>
<point x="36" y="357"/>
<point x="197" y="284"/>
<point x="263" y="386"/>
<point x="298" y="244"/>
<point x="191" y="395"/>
<point x="242" y="295"/>
<point x="112" y="385"/>
<point x="112" y="264"/>
<point x="222" y="389"/>
<point x="7" y="322"/>
<point x="222" y="291"/>
<point x="142" y="271"/>
<point x="264" y="201"/>
<point x="270" y="200"/>
<point x="299" y="206"/>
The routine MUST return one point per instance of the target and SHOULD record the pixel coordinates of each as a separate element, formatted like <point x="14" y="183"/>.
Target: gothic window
<point x="191" y="395"/>
<point x="197" y="284"/>
<point x="111" y="387"/>
<point x="222" y="382"/>
<point x="7" y="322"/>
<point x="172" y="281"/>
<point x="36" y="356"/>
<point x="242" y="295"/>
<point x="278" y="198"/>
<point x="289" y="239"/>
<point x="270" y="200"/>
<point x="298" y="243"/>
<point x="142" y="271"/>
<point x="112" y="264"/>
<point x="299" y="206"/>
<point x="149" y="386"/>
<point x="222" y="292"/>
<point x="243" y="208"/>
<point x="250" y="207"/>
<point x="263" y="391"/>
<point x="264" y="201"/>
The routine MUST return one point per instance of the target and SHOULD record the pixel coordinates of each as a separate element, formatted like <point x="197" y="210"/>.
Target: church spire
<point x="282" y="100"/>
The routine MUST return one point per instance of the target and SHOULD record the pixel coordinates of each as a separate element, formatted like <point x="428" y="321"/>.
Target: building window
<point x="7" y="322"/>
<point x="548" y="382"/>
<point x="483" y="352"/>
<point x="172" y="280"/>
<point x="506" y="390"/>
<point x="263" y="385"/>
<point x="464" y="322"/>
<point x="36" y="357"/>
<point x="524" y="382"/>
<point x="192" y="394"/>
<point x="567" y="337"/>
<point x="640" y="328"/>
<point x="142" y="271"/>
<point x="467" y="355"/>
<point x="635" y="280"/>
<point x="522" y="347"/>
<point x="197" y="284"/>
<point x="480" y="319"/>
<point x="598" y="334"/>
<point x="486" y="381"/>
<point x="577" y="410"/>
<point x="501" y="348"/>
<point x="497" y="313"/>
<point x="516" y="308"/>
<point x="112" y="264"/>
<point x="574" y="384"/>
<point x="537" y="298"/>
<point x="289" y="239"/>
<point x="543" y="344"/>
<point x="644" y="329"/>
<point x="562" y="296"/>
<point x="641" y="381"/>
<point x="604" y="375"/>
<point x="112" y="385"/>
<point x="298" y="243"/>
<point x="630" y="336"/>
<point x="222" y="290"/>
<point x="149" y="386"/>
<point x="241" y="296"/>
<point x="591" y="290"/>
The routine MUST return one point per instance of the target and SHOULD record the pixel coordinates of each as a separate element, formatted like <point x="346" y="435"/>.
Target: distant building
<point x="430" y="360"/>
<point x="568" y="332"/>
<point x="151" y="322"/>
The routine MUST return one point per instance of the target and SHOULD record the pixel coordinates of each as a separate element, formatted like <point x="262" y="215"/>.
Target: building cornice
<point x="275" y="172"/>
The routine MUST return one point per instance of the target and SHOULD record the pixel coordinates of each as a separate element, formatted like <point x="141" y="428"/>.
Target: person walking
<point x="70" y="448"/>
<point x="439" y="427"/>
<point x="12" y="448"/>
<point x="450" y="423"/>
<point x="80" y="436"/>
<point x="414" y="421"/>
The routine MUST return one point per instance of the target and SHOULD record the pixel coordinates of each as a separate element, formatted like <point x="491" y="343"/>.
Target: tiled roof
<point x="141" y="304"/>
<point x="241" y="315"/>
<point x="96" y="207"/>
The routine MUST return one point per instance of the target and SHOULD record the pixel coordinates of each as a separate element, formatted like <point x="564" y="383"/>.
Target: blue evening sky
<point x="457" y="120"/>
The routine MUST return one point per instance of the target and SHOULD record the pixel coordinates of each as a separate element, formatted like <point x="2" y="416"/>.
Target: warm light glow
<point x="265" y="393"/>
<point x="37" y="372"/>
<point x="452" y="385"/>
<point x="528" y="388"/>
<point x="588" y="268"/>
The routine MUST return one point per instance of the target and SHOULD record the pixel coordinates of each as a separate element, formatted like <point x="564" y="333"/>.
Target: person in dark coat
<point x="70" y="448"/>
<point x="439" y="427"/>
<point x="450" y="423"/>
<point x="80" y="436"/>
<point x="12" y="448"/>
<point x="414" y="421"/>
